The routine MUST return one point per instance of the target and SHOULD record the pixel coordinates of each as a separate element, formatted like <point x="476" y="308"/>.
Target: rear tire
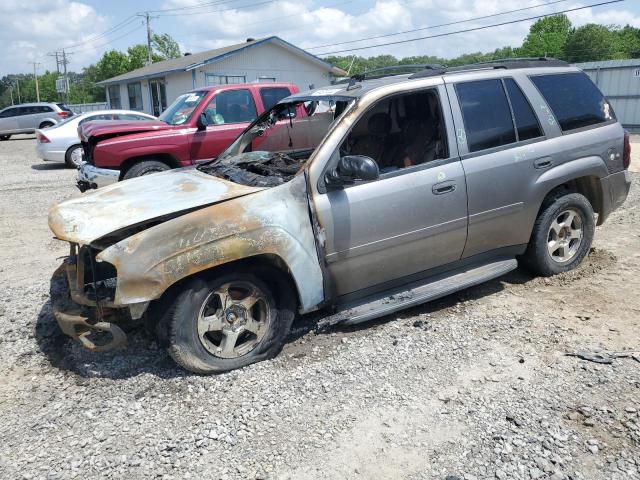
<point x="4" y="137"/>
<point x="206" y="335"/>
<point x="562" y="234"/>
<point x="73" y="157"/>
<point x="145" y="167"/>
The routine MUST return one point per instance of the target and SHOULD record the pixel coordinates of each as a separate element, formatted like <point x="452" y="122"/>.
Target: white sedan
<point x="60" y="143"/>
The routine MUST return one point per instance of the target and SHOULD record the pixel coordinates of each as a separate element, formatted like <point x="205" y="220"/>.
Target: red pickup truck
<point x="198" y="126"/>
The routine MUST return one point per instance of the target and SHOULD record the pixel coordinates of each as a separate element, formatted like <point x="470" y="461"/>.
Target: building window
<point x="267" y="79"/>
<point x="214" y="79"/>
<point x="135" y="96"/>
<point x="114" y="97"/>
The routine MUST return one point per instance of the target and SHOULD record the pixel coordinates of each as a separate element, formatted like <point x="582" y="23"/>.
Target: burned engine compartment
<point x="256" y="169"/>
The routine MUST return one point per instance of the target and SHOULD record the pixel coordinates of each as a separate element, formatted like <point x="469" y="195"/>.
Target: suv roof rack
<point x="390" y="71"/>
<point x="504" y="63"/>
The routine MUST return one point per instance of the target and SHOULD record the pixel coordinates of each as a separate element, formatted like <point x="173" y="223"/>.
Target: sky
<point x="30" y="31"/>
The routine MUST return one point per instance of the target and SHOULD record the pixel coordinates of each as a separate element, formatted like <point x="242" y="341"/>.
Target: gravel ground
<point x="474" y="386"/>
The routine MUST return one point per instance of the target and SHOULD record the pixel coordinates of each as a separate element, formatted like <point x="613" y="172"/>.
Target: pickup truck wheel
<point x="145" y="167"/>
<point x="4" y="137"/>
<point x="227" y="323"/>
<point x="73" y="157"/>
<point x="562" y="235"/>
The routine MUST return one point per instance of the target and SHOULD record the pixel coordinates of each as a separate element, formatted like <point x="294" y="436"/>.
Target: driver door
<point x="411" y="219"/>
<point x="228" y="113"/>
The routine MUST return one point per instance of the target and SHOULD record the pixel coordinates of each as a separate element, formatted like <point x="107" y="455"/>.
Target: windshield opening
<point x="180" y="111"/>
<point x="278" y="144"/>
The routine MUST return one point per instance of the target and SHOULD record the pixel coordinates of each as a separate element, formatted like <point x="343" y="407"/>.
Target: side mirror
<point x="351" y="168"/>
<point x="202" y="121"/>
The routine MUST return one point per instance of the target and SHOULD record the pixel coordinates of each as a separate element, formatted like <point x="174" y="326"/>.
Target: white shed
<point x="150" y="89"/>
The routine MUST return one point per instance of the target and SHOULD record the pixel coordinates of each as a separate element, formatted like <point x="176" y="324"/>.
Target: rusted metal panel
<point x="273" y="221"/>
<point x="85" y="219"/>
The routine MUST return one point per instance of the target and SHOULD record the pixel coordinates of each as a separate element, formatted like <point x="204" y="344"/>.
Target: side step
<point x="416" y="293"/>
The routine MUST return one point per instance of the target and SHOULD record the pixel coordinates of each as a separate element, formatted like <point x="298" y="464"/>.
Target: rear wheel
<point x="73" y="157"/>
<point x="562" y="234"/>
<point x="227" y="323"/>
<point x="4" y="137"/>
<point x="145" y="167"/>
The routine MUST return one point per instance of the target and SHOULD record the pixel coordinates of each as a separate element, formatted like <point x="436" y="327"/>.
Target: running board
<point x="417" y="293"/>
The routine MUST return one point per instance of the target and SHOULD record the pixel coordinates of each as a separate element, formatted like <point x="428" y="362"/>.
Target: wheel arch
<point x="166" y="158"/>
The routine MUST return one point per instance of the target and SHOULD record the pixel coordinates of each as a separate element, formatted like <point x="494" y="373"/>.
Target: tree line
<point x="548" y="37"/>
<point x="82" y="86"/>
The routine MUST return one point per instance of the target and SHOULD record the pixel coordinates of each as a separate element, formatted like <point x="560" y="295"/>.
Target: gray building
<point x="619" y="80"/>
<point x="152" y="88"/>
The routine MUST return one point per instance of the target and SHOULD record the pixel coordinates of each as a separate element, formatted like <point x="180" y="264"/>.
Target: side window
<point x="9" y="112"/>
<point x="44" y="109"/>
<point x="527" y="125"/>
<point x="575" y="101"/>
<point x="272" y="95"/>
<point x="486" y="114"/>
<point x="22" y="111"/>
<point x="400" y="131"/>
<point x="231" y="106"/>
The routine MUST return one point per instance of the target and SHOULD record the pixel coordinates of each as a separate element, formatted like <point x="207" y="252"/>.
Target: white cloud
<point x="307" y="25"/>
<point x="29" y="30"/>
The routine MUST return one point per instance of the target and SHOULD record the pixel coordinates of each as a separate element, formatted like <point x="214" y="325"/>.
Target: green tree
<point x="547" y="37"/>
<point x="166" y="46"/>
<point x="591" y="42"/>
<point x="627" y="42"/>
<point x="111" y="64"/>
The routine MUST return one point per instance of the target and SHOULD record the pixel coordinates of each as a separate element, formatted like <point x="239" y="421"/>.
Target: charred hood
<point x="141" y="201"/>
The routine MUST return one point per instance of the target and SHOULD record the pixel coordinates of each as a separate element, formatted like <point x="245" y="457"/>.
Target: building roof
<point x="195" y="60"/>
<point x="628" y="63"/>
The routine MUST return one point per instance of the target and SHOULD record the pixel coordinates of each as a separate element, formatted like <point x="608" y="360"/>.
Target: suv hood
<point x="101" y="129"/>
<point x="139" y="200"/>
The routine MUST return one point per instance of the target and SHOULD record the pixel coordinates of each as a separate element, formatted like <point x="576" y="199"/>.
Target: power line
<point x="397" y="42"/>
<point x="95" y="47"/>
<point x="438" y="26"/>
<point x="99" y="36"/>
<point x="192" y="7"/>
<point x="218" y="11"/>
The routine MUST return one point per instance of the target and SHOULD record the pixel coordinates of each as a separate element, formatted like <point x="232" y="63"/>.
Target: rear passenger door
<point x="500" y="140"/>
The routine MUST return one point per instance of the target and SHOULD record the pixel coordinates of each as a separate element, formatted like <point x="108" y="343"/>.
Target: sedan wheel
<point x="565" y="236"/>
<point x="73" y="157"/>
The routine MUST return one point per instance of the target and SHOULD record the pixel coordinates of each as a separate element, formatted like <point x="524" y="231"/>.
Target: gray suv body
<point x="28" y="117"/>
<point x="351" y="201"/>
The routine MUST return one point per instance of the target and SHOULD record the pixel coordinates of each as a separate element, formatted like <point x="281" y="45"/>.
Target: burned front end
<point x="82" y="296"/>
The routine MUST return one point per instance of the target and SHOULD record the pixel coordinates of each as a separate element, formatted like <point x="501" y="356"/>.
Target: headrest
<point x="379" y="124"/>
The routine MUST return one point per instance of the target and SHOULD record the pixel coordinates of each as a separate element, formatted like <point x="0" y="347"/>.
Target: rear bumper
<point x="49" y="155"/>
<point x="615" y="188"/>
<point x="91" y="177"/>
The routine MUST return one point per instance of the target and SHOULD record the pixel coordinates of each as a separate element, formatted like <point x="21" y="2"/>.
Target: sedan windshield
<point x="182" y="108"/>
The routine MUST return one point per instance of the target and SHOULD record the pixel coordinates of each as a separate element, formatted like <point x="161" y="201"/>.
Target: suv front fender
<point x="274" y="222"/>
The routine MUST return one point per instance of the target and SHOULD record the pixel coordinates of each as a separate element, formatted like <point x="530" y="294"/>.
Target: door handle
<point x="544" y="162"/>
<point x="442" y="188"/>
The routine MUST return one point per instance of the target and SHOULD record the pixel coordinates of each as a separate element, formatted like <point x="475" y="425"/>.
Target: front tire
<point x="230" y="322"/>
<point x="73" y="157"/>
<point x="562" y="234"/>
<point x="4" y="137"/>
<point x="145" y="167"/>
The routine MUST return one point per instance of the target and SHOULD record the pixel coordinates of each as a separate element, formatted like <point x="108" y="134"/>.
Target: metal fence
<point x="87" y="107"/>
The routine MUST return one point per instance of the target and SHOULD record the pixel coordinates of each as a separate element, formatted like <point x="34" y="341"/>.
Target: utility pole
<point x="35" y="74"/>
<point x="18" y="87"/>
<point x="148" y="18"/>
<point x="66" y="79"/>
<point x="11" y="93"/>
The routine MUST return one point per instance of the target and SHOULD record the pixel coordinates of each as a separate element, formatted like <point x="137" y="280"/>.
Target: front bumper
<point x="75" y="319"/>
<point x="615" y="188"/>
<point x="92" y="177"/>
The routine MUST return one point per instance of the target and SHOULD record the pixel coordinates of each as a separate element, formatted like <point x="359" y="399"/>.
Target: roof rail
<point x="390" y="71"/>
<point x="504" y="63"/>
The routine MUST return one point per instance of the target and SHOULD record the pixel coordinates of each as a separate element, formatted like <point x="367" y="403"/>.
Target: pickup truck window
<point x="181" y="109"/>
<point x="272" y="95"/>
<point x="231" y="106"/>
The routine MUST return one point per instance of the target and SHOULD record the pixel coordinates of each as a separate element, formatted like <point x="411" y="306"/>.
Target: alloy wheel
<point x="565" y="236"/>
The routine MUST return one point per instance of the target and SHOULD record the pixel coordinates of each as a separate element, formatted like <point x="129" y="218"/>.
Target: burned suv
<point x="353" y="201"/>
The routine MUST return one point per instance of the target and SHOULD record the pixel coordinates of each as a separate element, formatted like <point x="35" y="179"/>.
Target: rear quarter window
<point x="574" y="100"/>
<point x="272" y="95"/>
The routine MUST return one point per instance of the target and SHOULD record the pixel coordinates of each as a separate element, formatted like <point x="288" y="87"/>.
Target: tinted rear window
<point x="526" y="121"/>
<point x="486" y="114"/>
<point x="575" y="101"/>
<point x="272" y="95"/>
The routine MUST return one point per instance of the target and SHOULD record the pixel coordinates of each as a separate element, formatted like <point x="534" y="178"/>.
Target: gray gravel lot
<point x="474" y="386"/>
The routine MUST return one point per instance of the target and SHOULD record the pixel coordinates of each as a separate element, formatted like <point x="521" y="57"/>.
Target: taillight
<point x="63" y="114"/>
<point x="626" y="153"/>
<point x="42" y="138"/>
